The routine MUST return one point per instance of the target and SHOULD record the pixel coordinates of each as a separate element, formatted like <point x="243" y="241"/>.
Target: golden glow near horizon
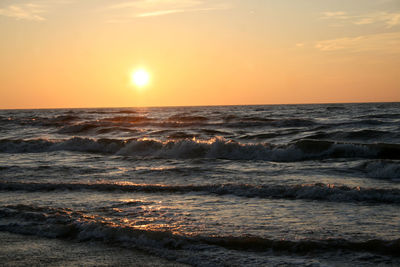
<point x="140" y="78"/>
<point x="202" y="52"/>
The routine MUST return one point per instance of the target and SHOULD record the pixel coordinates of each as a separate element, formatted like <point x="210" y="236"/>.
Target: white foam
<point x="217" y="147"/>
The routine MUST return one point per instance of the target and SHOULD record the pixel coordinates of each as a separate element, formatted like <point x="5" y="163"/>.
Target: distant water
<point x="210" y="186"/>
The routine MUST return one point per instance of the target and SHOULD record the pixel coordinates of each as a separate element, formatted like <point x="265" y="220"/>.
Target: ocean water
<point x="311" y="185"/>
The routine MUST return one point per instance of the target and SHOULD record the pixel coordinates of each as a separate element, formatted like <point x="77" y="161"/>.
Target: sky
<point x="81" y="53"/>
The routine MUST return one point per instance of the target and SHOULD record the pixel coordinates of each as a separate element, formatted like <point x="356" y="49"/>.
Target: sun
<point x="140" y="77"/>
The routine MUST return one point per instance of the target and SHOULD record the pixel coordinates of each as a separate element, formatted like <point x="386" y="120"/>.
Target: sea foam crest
<point x="66" y="223"/>
<point x="324" y="192"/>
<point x="217" y="147"/>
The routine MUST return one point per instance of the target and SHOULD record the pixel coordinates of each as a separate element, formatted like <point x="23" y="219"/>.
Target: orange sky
<point x="70" y="53"/>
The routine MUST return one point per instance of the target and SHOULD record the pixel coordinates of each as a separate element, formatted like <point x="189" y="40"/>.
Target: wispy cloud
<point x="166" y="12"/>
<point x="151" y="8"/>
<point x="34" y="10"/>
<point x="384" y="42"/>
<point x="27" y="11"/>
<point x="335" y="15"/>
<point x="157" y="4"/>
<point x="389" y="19"/>
<point x="161" y="12"/>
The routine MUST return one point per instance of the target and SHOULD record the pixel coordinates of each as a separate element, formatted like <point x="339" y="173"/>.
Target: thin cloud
<point x="35" y="10"/>
<point x="160" y="13"/>
<point x="152" y="8"/>
<point x="28" y="11"/>
<point x="341" y="15"/>
<point x="384" y="42"/>
<point x="389" y="19"/>
<point x="166" y="12"/>
<point x="160" y="4"/>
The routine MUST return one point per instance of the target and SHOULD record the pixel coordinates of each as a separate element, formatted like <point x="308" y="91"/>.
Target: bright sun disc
<point x="140" y="78"/>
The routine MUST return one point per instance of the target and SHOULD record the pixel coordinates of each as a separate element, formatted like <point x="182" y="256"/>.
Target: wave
<point x="54" y="121"/>
<point x="260" y="136"/>
<point x="128" y="119"/>
<point x="385" y="247"/>
<point x="105" y="111"/>
<point x="332" y="149"/>
<point x="182" y="135"/>
<point x="335" y="108"/>
<point x="65" y="118"/>
<point x="322" y="192"/>
<point x="382" y="116"/>
<point x="76" y="225"/>
<point x="126" y="111"/>
<point x="213" y="148"/>
<point x="73" y="144"/>
<point x="180" y="119"/>
<point x="187" y="118"/>
<point x="364" y="135"/>
<point x="77" y="128"/>
<point x="214" y="132"/>
<point x="269" y="135"/>
<point x="94" y="128"/>
<point x="367" y="122"/>
<point x="383" y="169"/>
<point x="72" y="123"/>
<point x="123" y="124"/>
<point x="240" y="122"/>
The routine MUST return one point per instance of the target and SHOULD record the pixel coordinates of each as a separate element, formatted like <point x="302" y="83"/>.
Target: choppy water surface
<point x="237" y="185"/>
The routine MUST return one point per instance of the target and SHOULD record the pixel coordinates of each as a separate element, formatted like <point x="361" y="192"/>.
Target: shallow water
<point x="234" y="185"/>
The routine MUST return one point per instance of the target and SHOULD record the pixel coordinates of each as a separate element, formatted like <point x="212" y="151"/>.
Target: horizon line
<point x="224" y="105"/>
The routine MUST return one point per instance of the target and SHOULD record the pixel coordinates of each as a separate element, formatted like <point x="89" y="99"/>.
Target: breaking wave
<point x="76" y="225"/>
<point x="385" y="169"/>
<point x="365" y="135"/>
<point x="134" y="118"/>
<point x="319" y="191"/>
<point x="213" y="148"/>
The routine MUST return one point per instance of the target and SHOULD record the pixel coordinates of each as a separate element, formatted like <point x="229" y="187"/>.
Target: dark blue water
<point x="226" y="185"/>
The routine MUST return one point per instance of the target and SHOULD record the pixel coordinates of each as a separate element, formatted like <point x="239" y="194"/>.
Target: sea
<point x="265" y="185"/>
